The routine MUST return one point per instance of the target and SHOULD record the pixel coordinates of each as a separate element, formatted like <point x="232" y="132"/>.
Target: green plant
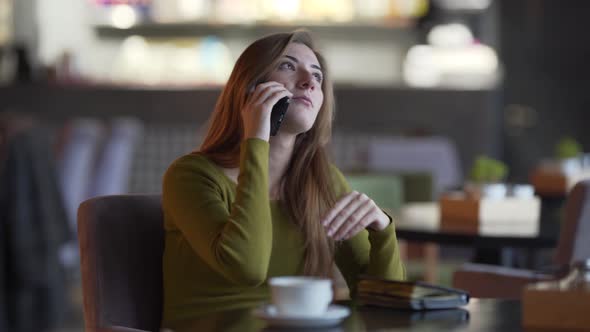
<point x="567" y="147"/>
<point x="486" y="169"/>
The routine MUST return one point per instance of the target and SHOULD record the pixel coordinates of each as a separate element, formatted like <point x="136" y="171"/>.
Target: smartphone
<point x="278" y="114"/>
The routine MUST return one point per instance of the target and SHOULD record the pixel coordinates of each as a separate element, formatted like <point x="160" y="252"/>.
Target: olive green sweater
<point x="223" y="241"/>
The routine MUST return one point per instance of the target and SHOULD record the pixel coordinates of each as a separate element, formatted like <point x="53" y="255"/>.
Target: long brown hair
<point x="306" y="189"/>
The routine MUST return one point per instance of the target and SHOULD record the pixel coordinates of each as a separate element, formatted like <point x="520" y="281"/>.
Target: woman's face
<point x="300" y="72"/>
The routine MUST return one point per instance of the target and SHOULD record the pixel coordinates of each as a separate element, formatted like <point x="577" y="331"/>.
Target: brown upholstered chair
<point x="489" y="281"/>
<point x="121" y="246"/>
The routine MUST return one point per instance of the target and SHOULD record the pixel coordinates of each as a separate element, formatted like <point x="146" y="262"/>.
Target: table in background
<point x="474" y="240"/>
<point x="481" y="315"/>
<point x="501" y="245"/>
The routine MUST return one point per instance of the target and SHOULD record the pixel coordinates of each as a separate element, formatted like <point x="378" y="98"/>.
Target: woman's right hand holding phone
<point x="256" y="113"/>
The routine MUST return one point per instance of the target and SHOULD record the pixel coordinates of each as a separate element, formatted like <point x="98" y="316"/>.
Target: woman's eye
<point x="287" y="65"/>
<point x="318" y="77"/>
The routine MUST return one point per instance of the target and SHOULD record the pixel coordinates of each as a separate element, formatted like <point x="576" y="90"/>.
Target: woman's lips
<point x="304" y="100"/>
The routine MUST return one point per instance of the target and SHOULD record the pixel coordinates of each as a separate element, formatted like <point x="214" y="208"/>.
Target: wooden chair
<point x="490" y="281"/>
<point x="121" y="246"/>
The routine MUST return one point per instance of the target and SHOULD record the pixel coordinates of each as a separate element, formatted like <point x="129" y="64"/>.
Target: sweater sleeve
<point x="234" y="240"/>
<point x="369" y="252"/>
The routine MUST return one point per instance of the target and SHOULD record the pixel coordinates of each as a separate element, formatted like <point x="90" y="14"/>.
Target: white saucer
<point x="333" y="316"/>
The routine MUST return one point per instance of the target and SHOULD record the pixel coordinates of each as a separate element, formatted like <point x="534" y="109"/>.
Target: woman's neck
<point x="281" y="150"/>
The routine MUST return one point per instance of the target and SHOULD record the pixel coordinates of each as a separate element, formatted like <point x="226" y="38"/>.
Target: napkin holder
<point x="555" y="182"/>
<point x="549" y="306"/>
<point x="510" y="215"/>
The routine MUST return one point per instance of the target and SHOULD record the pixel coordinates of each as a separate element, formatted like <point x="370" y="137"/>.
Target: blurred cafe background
<point x="97" y="97"/>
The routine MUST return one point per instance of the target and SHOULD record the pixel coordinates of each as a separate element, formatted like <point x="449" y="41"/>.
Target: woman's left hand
<point x="351" y="214"/>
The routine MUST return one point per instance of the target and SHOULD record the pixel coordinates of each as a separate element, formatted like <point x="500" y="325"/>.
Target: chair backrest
<point x="385" y="189"/>
<point x="79" y="154"/>
<point x="113" y="171"/>
<point x="121" y="247"/>
<point x="435" y="155"/>
<point x="573" y="242"/>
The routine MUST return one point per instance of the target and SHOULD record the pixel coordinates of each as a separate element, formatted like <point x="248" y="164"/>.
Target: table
<point x="409" y="233"/>
<point x="480" y="315"/>
<point x="421" y="223"/>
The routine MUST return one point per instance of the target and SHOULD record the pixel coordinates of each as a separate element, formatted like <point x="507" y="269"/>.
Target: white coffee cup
<point x="301" y="296"/>
<point x="571" y="166"/>
<point x="523" y="191"/>
<point x="494" y="190"/>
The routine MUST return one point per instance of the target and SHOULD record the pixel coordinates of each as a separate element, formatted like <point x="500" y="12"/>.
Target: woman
<point x="249" y="206"/>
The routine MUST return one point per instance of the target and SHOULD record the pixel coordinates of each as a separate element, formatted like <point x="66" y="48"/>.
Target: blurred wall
<point x="468" y="118"/>
<point x="546" y="52"/>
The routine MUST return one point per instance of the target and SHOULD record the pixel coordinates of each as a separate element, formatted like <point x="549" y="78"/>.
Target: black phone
<point x="278" y="114"/>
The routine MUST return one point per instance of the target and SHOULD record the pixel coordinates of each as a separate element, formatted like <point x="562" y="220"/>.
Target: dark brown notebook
<point x="408" y="295"/>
